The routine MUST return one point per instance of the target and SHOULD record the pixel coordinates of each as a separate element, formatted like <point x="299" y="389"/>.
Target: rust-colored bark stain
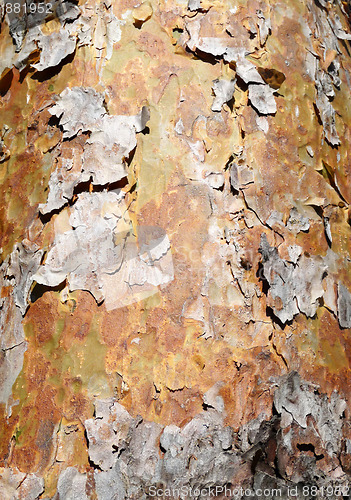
<point x="250" y="205"/>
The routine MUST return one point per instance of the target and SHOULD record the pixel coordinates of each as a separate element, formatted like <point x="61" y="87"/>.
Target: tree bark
<point x="175" y="249"/>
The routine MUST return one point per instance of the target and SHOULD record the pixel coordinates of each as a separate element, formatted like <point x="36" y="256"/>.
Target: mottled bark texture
<point x="175" y="275"/>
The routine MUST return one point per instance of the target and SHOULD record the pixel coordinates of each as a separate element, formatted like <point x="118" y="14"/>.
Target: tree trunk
<point x="175" y="249"/>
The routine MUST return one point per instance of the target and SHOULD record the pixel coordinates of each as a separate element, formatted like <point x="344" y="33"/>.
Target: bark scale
<point x="175" y="249"/>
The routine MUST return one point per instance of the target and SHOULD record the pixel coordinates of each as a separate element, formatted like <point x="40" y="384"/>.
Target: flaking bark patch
<point x="174" y="247"/>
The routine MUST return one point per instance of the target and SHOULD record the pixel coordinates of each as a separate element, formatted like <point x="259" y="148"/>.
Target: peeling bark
<point x="175" y="280"/>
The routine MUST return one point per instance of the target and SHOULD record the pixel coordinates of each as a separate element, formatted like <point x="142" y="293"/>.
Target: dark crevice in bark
<point x="85" y="187"/>
<point x="203" y="56"/>
<point x="38" y="290"/>
<point x="262" y="279"/>
<point x="92" y="464"/>
<point x="5" y="83"/>
<point x="54" y="121"/>
<point x="229" y="162"/>
<point x="241" y="84"/>
<point x="128" y="159"/>
<point x="138" y="23"/>
<point x="328" y="174"/>
<point x="45" y="218"/>
<point x="47" y="74"/>
<point x="275" y="320"/>
<point x="117" y="450"/>
<point x="309" y="448"/>
<point x="280" y="355"/>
